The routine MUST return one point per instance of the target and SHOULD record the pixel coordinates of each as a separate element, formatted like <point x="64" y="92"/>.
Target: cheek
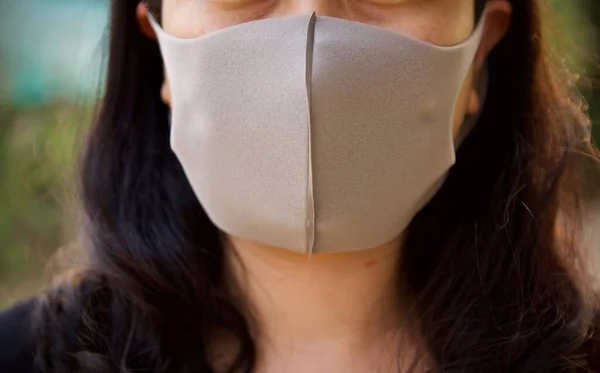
<point x="183" y="19"/>
<point x="188" y="19"/>
<point x="462" y="104"/>
<point x="439" y="22"/>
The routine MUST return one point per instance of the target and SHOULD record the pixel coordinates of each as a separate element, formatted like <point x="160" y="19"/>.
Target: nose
<point x="330" y="8"/>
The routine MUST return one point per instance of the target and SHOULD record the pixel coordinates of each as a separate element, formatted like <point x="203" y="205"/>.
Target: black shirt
<point x="16" y="347"/>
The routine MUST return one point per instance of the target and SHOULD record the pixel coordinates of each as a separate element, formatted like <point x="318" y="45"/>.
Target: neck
<point x="342" y="300"/>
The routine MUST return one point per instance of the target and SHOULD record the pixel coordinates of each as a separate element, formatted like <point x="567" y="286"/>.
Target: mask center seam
<point x="310" y="200"/>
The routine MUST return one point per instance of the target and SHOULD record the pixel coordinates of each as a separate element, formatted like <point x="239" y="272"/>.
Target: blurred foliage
<point x="573" y="29"/>
<point x="38" y="146"/>
<point x="37" y="151"/>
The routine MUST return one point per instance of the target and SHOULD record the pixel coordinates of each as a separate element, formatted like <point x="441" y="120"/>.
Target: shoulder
<point x="16" y="343"/>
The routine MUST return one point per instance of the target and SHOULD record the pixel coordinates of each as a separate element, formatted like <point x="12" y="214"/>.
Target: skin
<point x="314" y="314"/>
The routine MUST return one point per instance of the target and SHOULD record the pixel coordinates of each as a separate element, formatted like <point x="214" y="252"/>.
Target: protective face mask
<point x="314" y="134"/>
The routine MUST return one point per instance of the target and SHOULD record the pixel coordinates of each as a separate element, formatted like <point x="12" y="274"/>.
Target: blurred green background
<point x="51" y="60"/>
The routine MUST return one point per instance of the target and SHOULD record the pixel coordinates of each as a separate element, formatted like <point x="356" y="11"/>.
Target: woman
<point x="336" y="231"/>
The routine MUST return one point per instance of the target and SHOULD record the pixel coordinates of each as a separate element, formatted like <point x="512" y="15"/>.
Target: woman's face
<point x="440" y="22"/>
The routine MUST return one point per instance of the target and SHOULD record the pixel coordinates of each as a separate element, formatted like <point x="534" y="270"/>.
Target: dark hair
<point x="494" y="283"/>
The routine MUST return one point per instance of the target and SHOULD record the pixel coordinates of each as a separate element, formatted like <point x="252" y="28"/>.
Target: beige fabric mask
<point x="314" y="134"/>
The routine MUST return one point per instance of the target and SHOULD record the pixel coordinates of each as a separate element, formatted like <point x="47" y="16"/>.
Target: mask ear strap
<point x="470" y="121"/>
